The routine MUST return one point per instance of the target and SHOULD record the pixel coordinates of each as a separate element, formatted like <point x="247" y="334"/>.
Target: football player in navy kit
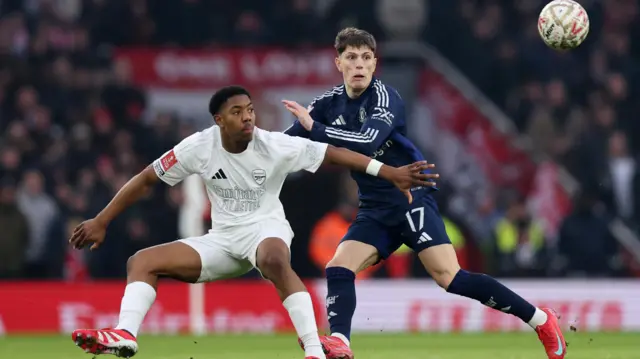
<point x="367" y="116"/>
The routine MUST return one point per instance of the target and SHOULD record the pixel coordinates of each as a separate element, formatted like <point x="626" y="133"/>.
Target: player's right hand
<point x="300" y="112"/>
<point x="88" y="232"/>
<point x="410" y="176"/>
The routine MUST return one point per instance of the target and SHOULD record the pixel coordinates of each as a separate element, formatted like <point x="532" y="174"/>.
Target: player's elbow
<point x="148" y="177"/>
<point x="333" y="154"/>
<point x="338" y="155"/>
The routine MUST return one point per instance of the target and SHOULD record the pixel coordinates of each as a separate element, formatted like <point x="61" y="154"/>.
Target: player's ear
<point x="338" y="62"/>
<point x="218" y="120"/>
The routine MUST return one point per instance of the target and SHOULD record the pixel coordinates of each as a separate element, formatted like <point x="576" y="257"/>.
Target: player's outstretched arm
<point x="185" y="159"/>
<point x="375" y="131"/>
<point x="93" y="231"/>
<point x="138" y="186"/>
<point x="303" y="154"/>
<point x="404" y="178"/>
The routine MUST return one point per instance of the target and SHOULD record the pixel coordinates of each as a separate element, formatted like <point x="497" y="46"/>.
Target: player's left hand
<point x="91" y="231"/>
<point x="409" y="176"/>
<point x="300" y="112"/>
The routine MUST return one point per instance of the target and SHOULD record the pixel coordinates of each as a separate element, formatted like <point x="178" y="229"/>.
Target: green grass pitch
<point x="378" y="346"/>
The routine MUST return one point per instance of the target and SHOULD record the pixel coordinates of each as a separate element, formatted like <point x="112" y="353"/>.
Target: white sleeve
<point x="186" y="158"/>
<point x="303" y="154"/>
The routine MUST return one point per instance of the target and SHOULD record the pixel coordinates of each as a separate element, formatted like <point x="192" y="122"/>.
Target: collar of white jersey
<point x="250" y="147"/>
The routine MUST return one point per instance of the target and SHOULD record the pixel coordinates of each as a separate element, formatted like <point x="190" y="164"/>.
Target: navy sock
<point x="341" y="299"/>
<point x="491" y="293"/>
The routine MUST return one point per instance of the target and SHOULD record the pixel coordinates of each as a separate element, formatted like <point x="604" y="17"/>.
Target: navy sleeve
<point x="297" y="130"/>
<point x="315" y="110"/>
<point x="386" y="110"/>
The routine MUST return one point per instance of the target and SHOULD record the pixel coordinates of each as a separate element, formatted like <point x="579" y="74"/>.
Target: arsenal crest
<point x="259" y="176"/>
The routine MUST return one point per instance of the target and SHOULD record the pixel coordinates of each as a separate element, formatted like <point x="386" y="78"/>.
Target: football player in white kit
<point x="243" y="168"/>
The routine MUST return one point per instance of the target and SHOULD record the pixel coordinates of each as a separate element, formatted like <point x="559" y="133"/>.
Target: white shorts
<point x="232" y="252"/>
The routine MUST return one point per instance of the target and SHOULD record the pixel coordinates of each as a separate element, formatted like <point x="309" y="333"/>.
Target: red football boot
<point x="117" y="342"/>
<point x="551" y="336"/>
<point x="333" y="347"/>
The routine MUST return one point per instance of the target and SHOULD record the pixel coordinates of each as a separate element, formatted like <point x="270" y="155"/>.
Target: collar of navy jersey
<point x="367" y="90"/>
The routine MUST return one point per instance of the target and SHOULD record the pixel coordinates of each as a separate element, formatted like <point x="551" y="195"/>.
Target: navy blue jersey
<point x="373" y="124"/>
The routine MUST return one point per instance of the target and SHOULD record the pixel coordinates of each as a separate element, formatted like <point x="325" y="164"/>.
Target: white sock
<point x="342" y="337"/>
<point x="300" y="310"/>
<point x="136" y="301"/>
<point x="539" y="318"/>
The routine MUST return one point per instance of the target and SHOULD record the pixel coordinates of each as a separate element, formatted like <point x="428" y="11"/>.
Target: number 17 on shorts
<point x="424" y="226"/>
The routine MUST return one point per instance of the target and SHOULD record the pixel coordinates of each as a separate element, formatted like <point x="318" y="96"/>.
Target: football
<point x="563" y="24"/>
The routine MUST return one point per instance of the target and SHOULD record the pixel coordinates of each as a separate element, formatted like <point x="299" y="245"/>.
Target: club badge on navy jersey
<point x="259" y="176"/>
<point x="363" y="114"/>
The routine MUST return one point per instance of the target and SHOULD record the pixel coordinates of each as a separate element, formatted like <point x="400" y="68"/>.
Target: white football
<point x="563" y="24"/>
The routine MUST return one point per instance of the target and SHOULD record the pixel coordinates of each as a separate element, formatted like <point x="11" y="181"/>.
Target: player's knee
<point x="351" y="264"/>
<point x="274" y="264"/>
<point x="443" y="272"/>
<point x="444" y="277"/>
<point x="354" y="256"/>
<point x="132" y="263"/>
<point x="272" y="258"/>
<point x="339" y="262"/>
<point x="441" y="262"/>
<point x="140" y="262"/>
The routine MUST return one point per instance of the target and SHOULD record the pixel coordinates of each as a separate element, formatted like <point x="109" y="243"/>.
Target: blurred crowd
<point x="73" y="132"/>
<point x="74" y="128"/>
<point x="576" y="107"/>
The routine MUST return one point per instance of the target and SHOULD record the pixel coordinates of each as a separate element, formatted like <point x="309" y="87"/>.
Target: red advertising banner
<point x="253" y="306"/>
<point x="211" y="68"/>
<point x="63" y="307"/>
<point x="182" y="81"/>
<point x="234" y="306"/>
<point x="249" y="307"/>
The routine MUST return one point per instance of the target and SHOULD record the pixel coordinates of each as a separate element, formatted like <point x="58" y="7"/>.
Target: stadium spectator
<point x="620" y="180"/>
<point x="596" y="257"/>
<point x="519" y="243"/>
<point x="554" y="125"/>
<point x="15" y="233"/>
<point x="41" y="212"/>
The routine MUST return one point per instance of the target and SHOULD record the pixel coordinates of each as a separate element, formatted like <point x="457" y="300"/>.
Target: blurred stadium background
<point x="537" y="151"/>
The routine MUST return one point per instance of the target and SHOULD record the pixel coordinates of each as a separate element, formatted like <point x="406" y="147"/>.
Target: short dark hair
<point x="355" y="37"/>
<point x="222" y="95"/>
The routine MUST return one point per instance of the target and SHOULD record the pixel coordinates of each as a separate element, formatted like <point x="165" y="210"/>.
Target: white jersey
<point x="243" y="188"/>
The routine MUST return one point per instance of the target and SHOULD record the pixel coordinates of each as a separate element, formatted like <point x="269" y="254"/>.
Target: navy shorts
<point x="418" y="225"/>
